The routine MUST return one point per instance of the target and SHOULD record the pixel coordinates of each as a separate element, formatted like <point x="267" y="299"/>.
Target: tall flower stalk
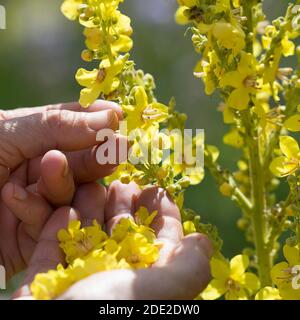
<point x="241" y="55"/>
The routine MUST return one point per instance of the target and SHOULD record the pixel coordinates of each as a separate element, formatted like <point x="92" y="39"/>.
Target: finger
<point x="56" y="183"/>
<point x="170" y="282"/>
<point x="84" y="164"/>
<point x="167" y="223"/>
<point x="28" y="207"/>
<point x="90" y="201"/>
<point x="120" y="203"/>
<point x="98" y="105"/>
<point x="31" y="136"/>
<point x="47" y="254"/>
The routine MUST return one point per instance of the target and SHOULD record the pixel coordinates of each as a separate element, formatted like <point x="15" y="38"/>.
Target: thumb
<point x="33" y="135"/>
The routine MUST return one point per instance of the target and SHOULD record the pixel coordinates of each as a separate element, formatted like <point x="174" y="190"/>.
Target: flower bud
<point x="125" y="179"/>
<point x="226" y="189"/>
<point x="87" y="55"/>
<point x="185" y="182"/>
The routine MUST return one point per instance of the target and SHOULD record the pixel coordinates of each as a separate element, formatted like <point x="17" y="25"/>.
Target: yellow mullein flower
<point x="189" y="227"/>
<point x="137" y="251"/>
<point x="143" y="217"/>
<point x="47" y="286"/>
<point x="243" y="80"/>
<point x="229" y="36"/>
<point x="148" y="145"/>
<point x="283" y="275"/>
<point x="268" y="293"/>
<point x="127" y="226"/>
<point x="102" y="81"/>
<point x="270" y="33"/>
<point x="118" y="36"/>
<point x="143" y="114"/>
<point x="288" y="46"/>
<point x="231" y="279"/>
<point x="95" y="39"/>
<point x="234" y="138"/>
<point x="70" y="8"/>
<point x="77" y="242"/>
<point x="209" y="71"/>
<point x="185" y="164"/>
<point x="123" y="173"/>
<point x="96" y="261"/>
<point x="289" y="163"/>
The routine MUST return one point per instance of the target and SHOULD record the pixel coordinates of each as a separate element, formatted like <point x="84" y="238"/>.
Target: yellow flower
<point x="70" y="8"/>
<point x="102" y="81"/>
<point x="229" y="36"/>
<point x="282" y="274"/>
<point x="47" y="286"/>
<point x="95" y="39"/>
<point x="186" y="163"/>
<point x="189" y="227"/>
<point x="209" y="71"/>
<point x="143" y="217"/>
<point x="118" y="36"/>
<point x="77" y="242"/>
<point x="128" y="226"/>
<point x="148" y="145"/>
<point x="268" y="293"/>
<point x="143" y="114"/>
<point x="289" y="163"/>
<point x="137" y="251"/>
<point x="233" y="138"/>
<point x="231" y="279"/>
<point x="243" y="80"/>
<point x="123" y="173"/>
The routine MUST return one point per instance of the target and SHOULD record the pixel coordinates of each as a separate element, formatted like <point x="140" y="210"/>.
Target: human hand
<point x="36" y="182"/>
<point x="168" y="278"/>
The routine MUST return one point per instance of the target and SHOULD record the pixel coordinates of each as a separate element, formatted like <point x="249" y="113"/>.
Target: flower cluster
<point x="108" y="40"/>
<point x="89" y="250"/>
<point x="241" y="56"/>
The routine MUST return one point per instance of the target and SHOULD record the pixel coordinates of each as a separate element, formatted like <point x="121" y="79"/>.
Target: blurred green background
<point x="40" y="53"/>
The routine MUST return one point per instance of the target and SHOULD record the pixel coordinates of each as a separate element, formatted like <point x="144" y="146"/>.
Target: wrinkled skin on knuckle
<point x="62" y="121"/>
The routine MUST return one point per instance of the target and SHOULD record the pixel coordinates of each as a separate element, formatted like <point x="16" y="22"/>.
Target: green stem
<point x="258" y="215"/>
<point x="257" y="175"/>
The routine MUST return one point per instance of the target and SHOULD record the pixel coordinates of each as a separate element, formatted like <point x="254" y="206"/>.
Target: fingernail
<point x="102" y="119"/>
<point x="65" y="171"/>
<point x="19" y="193"/>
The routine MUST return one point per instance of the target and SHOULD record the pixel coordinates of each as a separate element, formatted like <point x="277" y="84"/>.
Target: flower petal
<point x="219" y="268"/>
<point x="268" y="293"/>
<point x="250" y="281"/>
<point x="292" y="255"/>
<point x="239" y="98"/>
<point x="238" y="266"/>
<point x="289" y="146"/>
<point x="214" y="290"/>
<point x="280" y="167"/>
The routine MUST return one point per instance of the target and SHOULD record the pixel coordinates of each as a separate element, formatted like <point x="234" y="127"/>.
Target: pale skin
<point x="52" y="179"/>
